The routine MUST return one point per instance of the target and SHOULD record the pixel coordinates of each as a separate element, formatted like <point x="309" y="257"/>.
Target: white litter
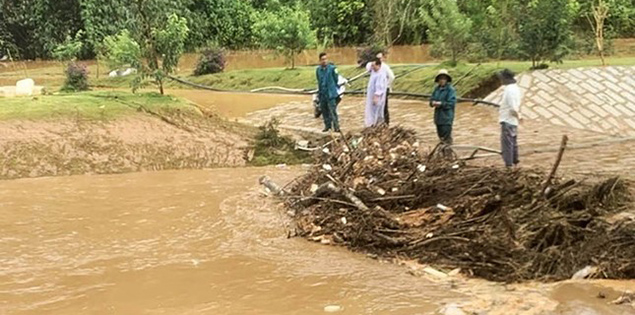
<point x="24" y="87"/>
<point x="584" y="272"/>
<point x="302" y="144"/>
<point x="333" y="308"/>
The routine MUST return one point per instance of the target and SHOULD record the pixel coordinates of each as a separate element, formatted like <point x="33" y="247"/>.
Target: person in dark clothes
<point x="327" y="79"/>
<point x="444" y="101"/>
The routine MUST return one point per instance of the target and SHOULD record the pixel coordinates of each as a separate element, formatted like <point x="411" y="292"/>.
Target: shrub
<point x="369" y="54"/>
<point x="540" y="66"/>
<point x="76" y="78"/>
<point x="270" y="147"/>
<point x="476" y="53"/>
<point x="212" y="60"/>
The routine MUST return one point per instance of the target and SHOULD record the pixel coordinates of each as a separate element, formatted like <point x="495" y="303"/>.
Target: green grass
<point x="86" y="105"/>
<point x="467" y="77"/>
<point x="420" y="81"/>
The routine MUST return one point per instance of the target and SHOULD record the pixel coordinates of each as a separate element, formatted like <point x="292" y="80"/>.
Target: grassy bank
<point x="411" y="78"/>
<point x="88" y="105"/>
<point x="419" y="81"/>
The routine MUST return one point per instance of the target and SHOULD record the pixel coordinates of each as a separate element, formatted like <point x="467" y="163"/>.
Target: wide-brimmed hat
<point x="445" y="73"/>
<point x="507" y="76"/>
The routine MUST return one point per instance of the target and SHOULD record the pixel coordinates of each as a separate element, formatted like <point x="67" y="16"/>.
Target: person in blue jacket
<point x="327" y="79"/>
<point x="444" y="101"/>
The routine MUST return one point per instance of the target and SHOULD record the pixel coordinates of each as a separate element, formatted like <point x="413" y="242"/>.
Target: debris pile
<point x="379" y="193"/>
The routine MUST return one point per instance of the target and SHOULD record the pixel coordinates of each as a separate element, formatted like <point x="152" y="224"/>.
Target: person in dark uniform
<point x="444" y="101"/>
<point x="327" y="79"/>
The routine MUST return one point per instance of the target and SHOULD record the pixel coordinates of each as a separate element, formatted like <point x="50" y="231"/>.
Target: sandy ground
<point x="136" y="143"/>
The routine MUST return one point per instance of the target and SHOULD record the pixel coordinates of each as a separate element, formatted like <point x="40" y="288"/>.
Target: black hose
<point x="396" y="93"/>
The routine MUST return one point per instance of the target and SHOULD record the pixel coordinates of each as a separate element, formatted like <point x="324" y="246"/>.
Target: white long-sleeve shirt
<point x="341" y="85"/>
<point x="512" y="97"/>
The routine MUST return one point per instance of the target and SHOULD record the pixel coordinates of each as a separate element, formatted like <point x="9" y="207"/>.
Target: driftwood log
<point x="272" y="186"/>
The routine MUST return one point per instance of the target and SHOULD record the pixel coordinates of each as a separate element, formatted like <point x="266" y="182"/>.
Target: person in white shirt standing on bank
<point x="390" y="76"/>
<point x="509" y="117"/>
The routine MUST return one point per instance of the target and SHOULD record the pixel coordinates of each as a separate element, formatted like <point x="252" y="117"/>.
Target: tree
<point x="397" y="20"/>
<point x="599" y="13"/>
<point x="384" y="19"/>
<point x="76" y="74"/>
<point x="498" y="29"/>
<point x="102" y="18"/>
<point x="170" y="45"/>
<point x="448" y="29"/>
<point x="340" y="22"/>
<point x="225" y="22"/>
<point x="545" y="29"/>
<point x="122" y="50"/>
<point x="70" y="49"/>
<point x="160" y="34"/>
<point x="36" y="27"/>
<point x="288" y="31"/>
<point x="154" y="54"/>
<point x="411" y="28"/>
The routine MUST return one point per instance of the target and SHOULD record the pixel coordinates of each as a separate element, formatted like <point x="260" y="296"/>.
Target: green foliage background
<point x="497" y="28"/>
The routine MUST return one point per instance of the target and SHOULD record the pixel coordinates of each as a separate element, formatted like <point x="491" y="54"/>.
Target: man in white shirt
<point x="509" y="117"/>
<point x="390" y="76"/>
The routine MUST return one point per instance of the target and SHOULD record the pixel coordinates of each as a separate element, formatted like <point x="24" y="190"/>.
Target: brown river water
<point x="253" y="59"/>
<point x="209" y="242"/>
<point x="188" y="242"/>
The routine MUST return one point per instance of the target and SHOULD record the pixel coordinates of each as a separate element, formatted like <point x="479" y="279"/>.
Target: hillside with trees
<point x="496" y="29"/>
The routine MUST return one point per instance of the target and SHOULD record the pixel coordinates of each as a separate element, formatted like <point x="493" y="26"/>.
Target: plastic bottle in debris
<point x="584" y="272"/>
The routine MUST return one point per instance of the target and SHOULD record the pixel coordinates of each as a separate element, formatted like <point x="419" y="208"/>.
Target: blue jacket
<point x="444" y="114"/>
<point x="327" y="81"/>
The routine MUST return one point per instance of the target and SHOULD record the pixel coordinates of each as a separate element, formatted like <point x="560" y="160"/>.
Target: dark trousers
<point x="509" y="144"/>
<point x="445" y="133"/>
<point x="386" y="115"/>
<point x="329" y="113"/>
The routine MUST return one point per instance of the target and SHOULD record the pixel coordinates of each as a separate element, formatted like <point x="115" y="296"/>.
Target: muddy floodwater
<point x="208" y="242"/>
<point x="235" y="105"/>
<point x="252" y="59"/>
<point x="189" y="242"/>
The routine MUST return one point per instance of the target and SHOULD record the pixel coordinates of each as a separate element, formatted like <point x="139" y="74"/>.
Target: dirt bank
<point x="150" y="139"/>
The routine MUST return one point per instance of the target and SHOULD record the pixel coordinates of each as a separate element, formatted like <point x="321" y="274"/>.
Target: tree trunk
<point x="600" y="12"/>
<point x="454" y="53"/>
<point x="600" y="44"/>
<point x="161" y="86"/>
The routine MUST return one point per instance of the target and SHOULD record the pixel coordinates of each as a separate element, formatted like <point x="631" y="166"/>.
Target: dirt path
<point x="590" y="152"/>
